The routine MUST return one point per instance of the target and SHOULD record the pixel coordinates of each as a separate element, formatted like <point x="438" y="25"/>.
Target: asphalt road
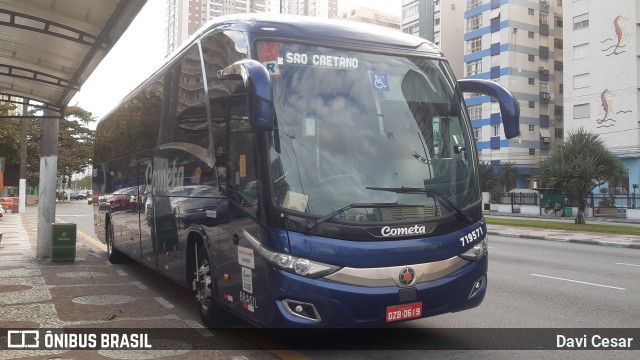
<point x="532" y="284"/>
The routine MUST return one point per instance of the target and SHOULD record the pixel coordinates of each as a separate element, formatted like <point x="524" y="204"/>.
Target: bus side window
<point x="228" y="106"/>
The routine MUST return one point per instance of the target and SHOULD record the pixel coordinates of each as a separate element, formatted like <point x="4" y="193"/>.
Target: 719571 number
<point x="470" y="237"/>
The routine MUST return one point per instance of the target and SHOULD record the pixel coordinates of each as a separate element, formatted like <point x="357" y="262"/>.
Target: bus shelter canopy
<point x="48" y="48"/>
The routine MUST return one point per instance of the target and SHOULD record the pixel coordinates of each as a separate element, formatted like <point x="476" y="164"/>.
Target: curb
<point x="556" y="239"/>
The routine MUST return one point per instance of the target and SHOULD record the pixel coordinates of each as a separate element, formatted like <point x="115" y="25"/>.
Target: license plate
<point x="404" y="312"/>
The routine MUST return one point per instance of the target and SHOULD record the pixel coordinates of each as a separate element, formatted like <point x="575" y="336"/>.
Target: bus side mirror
<point x="509" y="106"/>
<point x="257" y="84"/>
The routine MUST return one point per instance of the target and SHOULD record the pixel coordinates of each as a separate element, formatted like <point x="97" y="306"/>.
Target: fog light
<point x="477" y="286"/>
<point x="301" y="309"/>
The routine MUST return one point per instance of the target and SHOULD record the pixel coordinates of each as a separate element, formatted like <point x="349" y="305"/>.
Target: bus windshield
<point x="357" y="128"/>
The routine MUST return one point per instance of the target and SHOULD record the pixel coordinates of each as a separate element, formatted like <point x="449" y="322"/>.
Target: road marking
<point x="628" y="264"/>
<point x="139" y="285"/>
<point x="579" y="282"/>
<point x="121" y="272"/>
<point x="86" y="237"/>
<point x="163" y="302"/>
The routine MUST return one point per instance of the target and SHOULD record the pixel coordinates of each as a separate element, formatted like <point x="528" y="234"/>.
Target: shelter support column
<point x="48" y="181"/>
<point x="22" y="187"/>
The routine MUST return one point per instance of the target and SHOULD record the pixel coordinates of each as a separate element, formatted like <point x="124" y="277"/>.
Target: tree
<point x="487" y="176"/>
<point x="75" y="142"/>
<point x="507" y="175"/>
<point x="578" y="166"/>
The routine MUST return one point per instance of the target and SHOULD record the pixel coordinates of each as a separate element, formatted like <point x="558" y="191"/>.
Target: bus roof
<point x="328" y="32"/>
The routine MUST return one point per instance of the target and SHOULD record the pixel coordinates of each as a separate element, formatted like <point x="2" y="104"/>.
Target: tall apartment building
<point x="372" y="16"/>
<point x="185" y="17"/>
<point x="327" y="9"/>
<point x="602" y="77"/>
<point x="441" y="22"/>
<point x="518" y="44"/>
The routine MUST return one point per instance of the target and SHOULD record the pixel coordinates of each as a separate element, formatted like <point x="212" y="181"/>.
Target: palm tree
<point x="578" y="166"/>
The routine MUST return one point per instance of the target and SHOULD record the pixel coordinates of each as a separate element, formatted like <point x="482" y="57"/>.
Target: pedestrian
<point x="557" y="208"/>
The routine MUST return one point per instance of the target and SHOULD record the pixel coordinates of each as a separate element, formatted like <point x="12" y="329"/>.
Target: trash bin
<point x="568" y="212"/>
<point x="63" y="242"/>
<point x="15" y="206"/>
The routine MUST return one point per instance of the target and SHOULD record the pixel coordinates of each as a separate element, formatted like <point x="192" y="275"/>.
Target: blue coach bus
<point x="300" y="173"/>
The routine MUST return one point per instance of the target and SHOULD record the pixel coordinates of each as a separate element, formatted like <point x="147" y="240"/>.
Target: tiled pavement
<point x="89" y="293"/>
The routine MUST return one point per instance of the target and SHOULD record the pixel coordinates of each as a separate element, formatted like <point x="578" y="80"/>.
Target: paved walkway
<point x="89" y="293"/>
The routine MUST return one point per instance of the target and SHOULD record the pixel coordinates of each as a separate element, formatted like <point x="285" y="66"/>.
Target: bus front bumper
<point x="320" y="303"/>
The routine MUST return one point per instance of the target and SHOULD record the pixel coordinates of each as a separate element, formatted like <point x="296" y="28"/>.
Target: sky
<point x="139" y="52"/>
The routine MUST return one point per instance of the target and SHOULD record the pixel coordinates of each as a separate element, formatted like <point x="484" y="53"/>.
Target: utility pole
<point x="47" y="188"/>
<point x="22" y="188"/>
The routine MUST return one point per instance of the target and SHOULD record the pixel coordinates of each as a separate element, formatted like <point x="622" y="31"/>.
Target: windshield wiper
<point x="356" y="206"/>
<point x="429" y="192"/>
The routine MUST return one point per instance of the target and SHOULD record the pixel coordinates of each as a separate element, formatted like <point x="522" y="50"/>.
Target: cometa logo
<point x="413" y="230"/>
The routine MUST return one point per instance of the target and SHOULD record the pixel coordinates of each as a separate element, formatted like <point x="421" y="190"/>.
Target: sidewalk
<point x="582" y="237"/>
<point x="89" y="293"/>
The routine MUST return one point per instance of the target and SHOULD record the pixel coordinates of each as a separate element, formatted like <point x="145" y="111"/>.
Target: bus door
<point x="243" y="204"/>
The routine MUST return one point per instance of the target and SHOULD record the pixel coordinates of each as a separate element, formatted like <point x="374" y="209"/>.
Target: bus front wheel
<point x="212" y="315"/>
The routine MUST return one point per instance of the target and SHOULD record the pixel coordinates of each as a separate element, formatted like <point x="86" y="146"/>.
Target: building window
<point x="561" y="88"/>
<point x="531" y="34"/>
<point x="477" y="133"/>
<point x="581" y="111"/>
<point x="532" y="128"/>
<point x="530" y="11"/>
<point x="559" y="132"/>
<point x="557" y="65"/>
<point x="544" y="86"/>
<point x="580" y="51"/>
<point x="619" y="186"/>
<point x="581" y="81"/>
<point x="495" y="130"/>
<point x="532" y="57"/>
<point x="474" y="22"/>
<point x="558" y="110"/>
<point x="532" y="105"/>
<point x="557" y="43"/>
<point x="475" y="112"/>
<point x="544" y="18"/>
<point x="471" y="4"/>
<point x="474" y="67"/>
<point x="532" y="81"/>
<point x="532" y="151"/>
<point x="558" y="20"/>
<point x="581" y="22"/>
<point x="474" y="45"/>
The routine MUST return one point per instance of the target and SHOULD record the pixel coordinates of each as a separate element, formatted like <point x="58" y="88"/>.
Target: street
<point x="532" y="284"/>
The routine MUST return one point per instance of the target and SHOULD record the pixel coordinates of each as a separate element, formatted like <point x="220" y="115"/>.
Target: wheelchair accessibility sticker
<point x="380" y="81"/>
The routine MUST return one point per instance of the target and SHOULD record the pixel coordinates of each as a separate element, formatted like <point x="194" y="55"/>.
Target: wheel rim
<point x="204" y="284"/>
<point x="109" y="240"/>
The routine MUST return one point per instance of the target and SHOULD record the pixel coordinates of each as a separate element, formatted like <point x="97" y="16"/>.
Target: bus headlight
<point x="476" y="253"/>
<point x="296" y="265"/>
<point x="289" y="263"/>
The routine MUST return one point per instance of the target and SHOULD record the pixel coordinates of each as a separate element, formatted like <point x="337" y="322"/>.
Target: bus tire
<point x="114" y="255"/>
<point x="211" y="313"/>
